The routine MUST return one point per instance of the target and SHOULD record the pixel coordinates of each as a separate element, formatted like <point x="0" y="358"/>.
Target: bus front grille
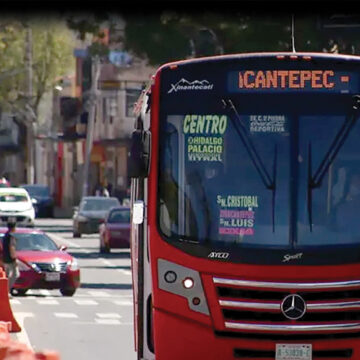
<point x="254" y="306"/>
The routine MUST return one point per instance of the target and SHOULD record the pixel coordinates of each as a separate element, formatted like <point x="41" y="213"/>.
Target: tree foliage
<point x="52" y="57"/>
<point x="174" y="35"/>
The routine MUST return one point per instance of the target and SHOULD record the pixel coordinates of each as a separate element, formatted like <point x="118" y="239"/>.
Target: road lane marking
<point x="14" y="302"/>
<point x="66" y="315"/>
<point x="45" y="292"/>
<point x="107" y="262"/>
<point x="86" y="302"/>
<point x="107" y="321"/>
<point x="110" y="264"/>
<point x="99" y="293"/>
<point x="23" y="336"/>
<point x="123" y="302"/>
<point x="108" y="315"/>
<point x="47" y="302"/>
<point x="126" y="272"/>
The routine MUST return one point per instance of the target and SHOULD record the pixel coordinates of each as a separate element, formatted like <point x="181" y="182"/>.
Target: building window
<point x="132" y="96"/>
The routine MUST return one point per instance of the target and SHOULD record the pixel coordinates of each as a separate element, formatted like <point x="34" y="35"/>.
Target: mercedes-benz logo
<point x="293" y="307"/>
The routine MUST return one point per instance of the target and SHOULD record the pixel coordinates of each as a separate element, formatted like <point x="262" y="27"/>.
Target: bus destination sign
<point x="292" y="81"/>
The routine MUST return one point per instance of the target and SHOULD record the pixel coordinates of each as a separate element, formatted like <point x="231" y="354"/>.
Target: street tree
<point x="173" y="35"/>
<point x="52" y="46"/>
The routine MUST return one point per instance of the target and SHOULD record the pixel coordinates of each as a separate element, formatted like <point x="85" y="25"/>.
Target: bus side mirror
<point x="139" y="154"/>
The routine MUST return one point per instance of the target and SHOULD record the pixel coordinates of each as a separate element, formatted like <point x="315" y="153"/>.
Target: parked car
<point x="115" y="231"/>
<point x="42" y="263"/>
<point x="16" y="203"/>
<point x="41" y="198"/>
<point x="91" y="213"/>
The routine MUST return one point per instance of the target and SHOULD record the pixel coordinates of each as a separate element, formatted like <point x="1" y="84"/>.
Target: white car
<point x="16" y="203"/>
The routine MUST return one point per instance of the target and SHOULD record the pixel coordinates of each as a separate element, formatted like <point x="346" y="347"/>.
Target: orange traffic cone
<point x="5" y="308"/>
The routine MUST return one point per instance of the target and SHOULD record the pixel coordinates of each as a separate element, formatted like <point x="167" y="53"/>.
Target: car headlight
<point x="82" y="218"/>
<point x="34" y="201"/>
<point x="23" y="266"/>
<point x="73" y="265"/>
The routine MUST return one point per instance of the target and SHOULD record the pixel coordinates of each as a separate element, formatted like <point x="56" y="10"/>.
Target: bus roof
<point x="279" y="55"/>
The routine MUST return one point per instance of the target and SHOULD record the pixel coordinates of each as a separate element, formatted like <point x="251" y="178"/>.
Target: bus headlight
<point x="183" y="281"/>
<point x="188" y="283"/>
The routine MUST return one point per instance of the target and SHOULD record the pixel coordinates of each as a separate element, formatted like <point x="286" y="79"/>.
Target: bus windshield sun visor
<point x="240" y="128"/>
<point x="314" y="181"/>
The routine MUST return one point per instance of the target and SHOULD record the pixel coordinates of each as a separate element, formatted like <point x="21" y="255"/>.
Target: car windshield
<point x="121" y="216"/>
<point x="9" y="198"/>
<point x="37" y="190"/>
<point x="34" y="242"/>
<point x="98" y="204"/>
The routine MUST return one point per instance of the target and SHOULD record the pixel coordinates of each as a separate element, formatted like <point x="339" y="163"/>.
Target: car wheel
<point x="67" y="292"/>
<point x="18" y="292"/>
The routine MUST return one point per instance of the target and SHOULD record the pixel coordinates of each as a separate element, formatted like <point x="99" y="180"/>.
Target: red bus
<point x="245" y="199"/>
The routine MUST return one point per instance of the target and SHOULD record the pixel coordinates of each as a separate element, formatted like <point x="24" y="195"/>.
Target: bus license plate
<point x="52" y="276"/>
<point x="293" y="352"/>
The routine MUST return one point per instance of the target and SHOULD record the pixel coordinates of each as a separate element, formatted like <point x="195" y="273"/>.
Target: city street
<point x="97" y="322"/>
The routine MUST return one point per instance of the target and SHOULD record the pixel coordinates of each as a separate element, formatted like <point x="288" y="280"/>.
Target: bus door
<point x="141" y="273"/>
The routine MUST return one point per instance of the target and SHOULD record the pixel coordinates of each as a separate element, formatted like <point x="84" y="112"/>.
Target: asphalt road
<point x="97" y="322"/>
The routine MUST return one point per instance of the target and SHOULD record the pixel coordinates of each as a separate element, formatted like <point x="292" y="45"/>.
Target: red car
<point x="115" y="230"/>
<point x="42" y="263"/>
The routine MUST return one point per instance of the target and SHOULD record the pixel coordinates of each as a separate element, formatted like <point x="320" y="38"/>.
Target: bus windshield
<point x="259" y="169"/>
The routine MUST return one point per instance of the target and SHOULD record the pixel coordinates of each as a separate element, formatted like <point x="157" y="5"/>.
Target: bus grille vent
<point x="329" y="308"/>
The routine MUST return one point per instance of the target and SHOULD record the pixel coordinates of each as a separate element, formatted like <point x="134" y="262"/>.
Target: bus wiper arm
<point x="269" y="183"/>
<point x="254" y="156"/>
<point x="274" y="188"/>
<point x="339" y="140"/>
<point x="309" y="187"/>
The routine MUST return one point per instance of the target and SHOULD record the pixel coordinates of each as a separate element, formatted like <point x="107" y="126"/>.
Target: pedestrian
<point x="97" y="190"/>
<point x="9" y="254"/>
<point x="4" y="182"/>
<point x="110" y="188"/>
<point x="105" y="192"/>
<point x="104" y="189"/>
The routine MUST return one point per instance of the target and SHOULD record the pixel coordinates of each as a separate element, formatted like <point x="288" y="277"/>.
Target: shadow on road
<point x="96" y="254"/>
<point x="107" y="267"/>
<point x="106" y="286"/>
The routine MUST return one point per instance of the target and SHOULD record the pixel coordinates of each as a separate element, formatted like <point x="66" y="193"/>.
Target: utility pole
<point x="91" y="122"/>
<point x="30" y="173"/>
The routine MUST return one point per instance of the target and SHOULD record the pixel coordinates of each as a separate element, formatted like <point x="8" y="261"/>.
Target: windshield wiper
<point x="254" y="156"/>
<point x="336" y="145"/>
<point x="240" y="128"/>
<point x="309" y="188"/>
<point x="339" y="140"/>
<point x="274" y="187"/>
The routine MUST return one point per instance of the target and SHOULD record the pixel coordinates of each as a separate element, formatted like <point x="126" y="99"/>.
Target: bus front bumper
<point x="178" y="338"/>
